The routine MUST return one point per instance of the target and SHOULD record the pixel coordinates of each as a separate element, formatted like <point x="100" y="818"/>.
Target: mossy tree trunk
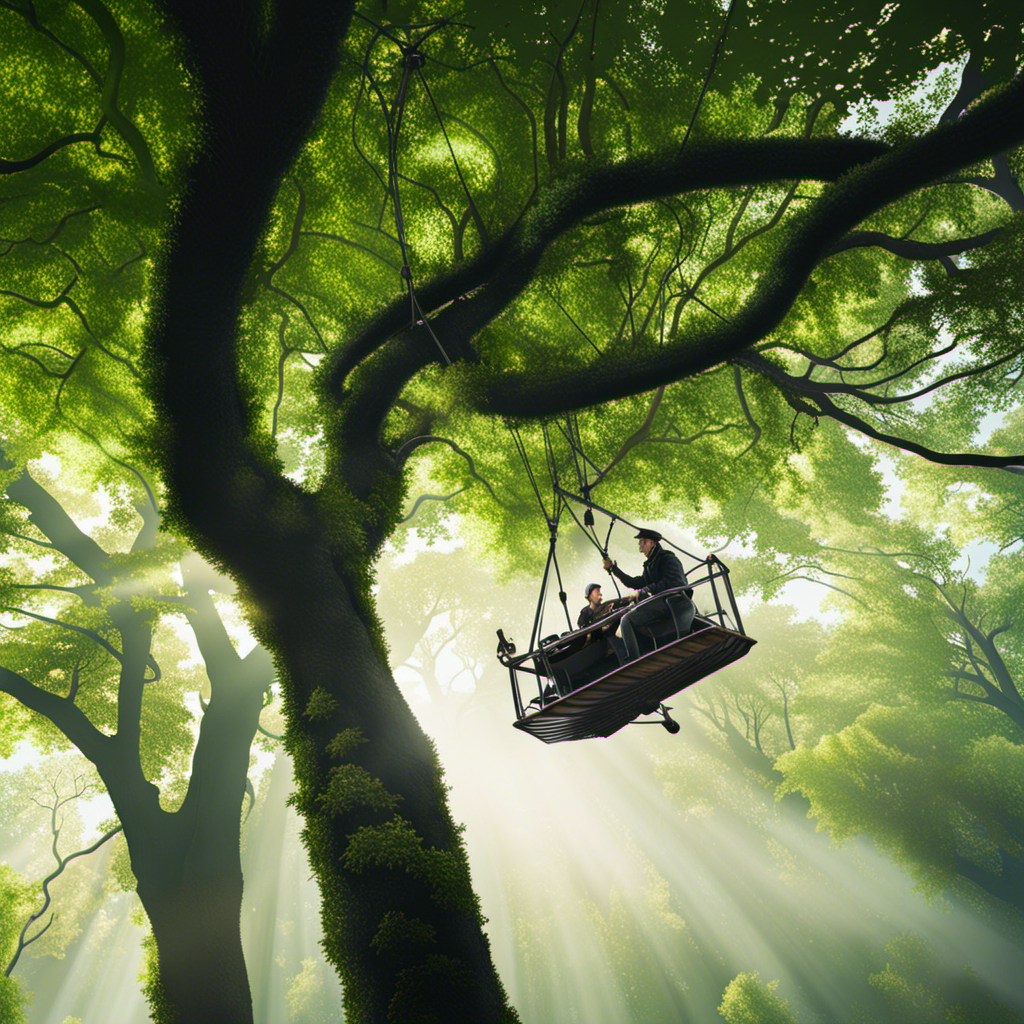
<point x="401" y="923"/>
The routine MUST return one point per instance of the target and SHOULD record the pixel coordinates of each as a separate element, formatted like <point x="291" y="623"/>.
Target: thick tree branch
<point x="62" y="712"/>
<point x="49" y="517"/>
<point x="501" y="271"/>
<point x="257" y="111"/>
<point x="988" y="129"/>
<point x="914" y="250"/>
<point x="566" y="203"/>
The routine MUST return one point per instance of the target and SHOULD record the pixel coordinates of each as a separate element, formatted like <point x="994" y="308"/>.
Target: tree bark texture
<point x="400" y="919"/>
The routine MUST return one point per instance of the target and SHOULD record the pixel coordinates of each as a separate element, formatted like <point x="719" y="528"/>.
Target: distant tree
<point x="917" y="988"/>
<point x="748" y="1000"/>
<point x="913" y="730"/>
<point x="427" y="618"/>
<point x="93" y="632"/>
<point x="56" y="801"/>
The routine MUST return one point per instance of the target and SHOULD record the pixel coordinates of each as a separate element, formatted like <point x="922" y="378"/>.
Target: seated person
<point x="662" y="571"/>
<point x="597" y="608"/>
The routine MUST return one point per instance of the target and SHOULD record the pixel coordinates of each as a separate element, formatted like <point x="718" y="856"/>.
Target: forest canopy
<point x="295" y="295"/>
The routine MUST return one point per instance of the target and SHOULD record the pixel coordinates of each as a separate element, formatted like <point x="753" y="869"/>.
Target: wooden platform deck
<point x="604" y="706"/>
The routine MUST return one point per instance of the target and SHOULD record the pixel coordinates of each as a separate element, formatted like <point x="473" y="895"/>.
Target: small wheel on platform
<point x="671" y="725"/>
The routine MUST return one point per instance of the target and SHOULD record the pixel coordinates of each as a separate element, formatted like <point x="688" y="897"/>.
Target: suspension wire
<point x="412" y="60"/>
<point x="560" y="503"/>
<point x="552" y="560"/>
<point x="549" y="455"/>
<point x="575" y="456"/>
<point x="608" y="536"/>
<point x="578" y="449"/>
<point x="579" y="441"/>
<point x="614" y="515"/>
<point x="562" y="596"/>
<point x="596" y="543"/>
<point x="568" y="315"/>
<point x="444" y="132"/>
<point x="543" y="590"/>
<point x="521" y="449"/>
<point x="711" y="71"/>
<point x="571" y="432"/>
<point x="586" y="533"/>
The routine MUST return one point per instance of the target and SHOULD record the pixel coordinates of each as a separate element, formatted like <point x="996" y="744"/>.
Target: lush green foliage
<point x="642" y="236"/>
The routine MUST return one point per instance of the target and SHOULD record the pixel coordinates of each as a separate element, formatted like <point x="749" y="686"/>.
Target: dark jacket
<point x="662" y="571"/>
<point x="588" y="616"/>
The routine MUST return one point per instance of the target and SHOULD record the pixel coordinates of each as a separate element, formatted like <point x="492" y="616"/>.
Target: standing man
<point x="662" y="571"/>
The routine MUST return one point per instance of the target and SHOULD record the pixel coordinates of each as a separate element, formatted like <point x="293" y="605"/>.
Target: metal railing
<point x="537" y="662"/>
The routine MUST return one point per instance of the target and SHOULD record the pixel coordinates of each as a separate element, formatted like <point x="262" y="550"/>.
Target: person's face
<point x="595" y="596"/>
<point x="645" y="544"/>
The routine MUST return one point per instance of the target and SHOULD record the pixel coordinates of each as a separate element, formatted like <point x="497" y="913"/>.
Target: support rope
<point x="412" y="60"/>
<point x="614" y="515"/>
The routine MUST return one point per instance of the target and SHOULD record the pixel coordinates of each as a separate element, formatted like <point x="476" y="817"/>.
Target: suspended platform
<point x="582" y="691"/>
<point x="604" y="706"/>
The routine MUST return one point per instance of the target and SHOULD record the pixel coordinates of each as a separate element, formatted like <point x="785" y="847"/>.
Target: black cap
<point x="649" y="534"/>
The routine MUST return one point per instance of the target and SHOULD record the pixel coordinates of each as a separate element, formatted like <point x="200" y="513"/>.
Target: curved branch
<point x="990" y="128"/>
<point x="910" y="249"/>
<point x="431" y="497"/>
<point x="30" y="15"/>
<point x="410" y="446"/>
<point x="132" y="136"/>
<point x="62" y="863"/>
<point x="501" y="271"/>
<point x="62" y="712"/>
<point x="90" y="633"/>
<point x="13" y="166"/>
<point x="737" y="379"/>
<point x="826" y="407"/>
<point x="58" y="228"/>
<point x="506" y="266"/>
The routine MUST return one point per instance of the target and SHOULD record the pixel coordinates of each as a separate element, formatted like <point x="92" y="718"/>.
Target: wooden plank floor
<point x="604" y="706"/>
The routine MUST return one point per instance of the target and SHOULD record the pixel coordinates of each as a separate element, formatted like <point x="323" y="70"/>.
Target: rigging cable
<point x="711" y="71"/>
<point x="596" y="543"/>
<point x="521" y="449"/>
<point x="582" y="501"/>
<point x="412" y="60"/>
